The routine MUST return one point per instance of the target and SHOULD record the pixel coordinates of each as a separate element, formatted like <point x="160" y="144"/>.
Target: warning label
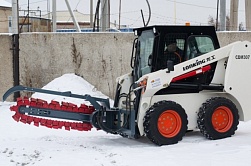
<point x="156" y="83"/>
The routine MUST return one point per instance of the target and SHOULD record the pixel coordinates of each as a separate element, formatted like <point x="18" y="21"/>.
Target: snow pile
<point x="73" y="83"/>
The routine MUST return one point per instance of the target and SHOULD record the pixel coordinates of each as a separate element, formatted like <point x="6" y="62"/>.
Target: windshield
<point x="144" y="52"/>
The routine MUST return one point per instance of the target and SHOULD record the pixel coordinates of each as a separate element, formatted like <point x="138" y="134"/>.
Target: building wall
<point x="4" y="17"/>
<point x="97" y="57"/>
<point x="35" y="24"/>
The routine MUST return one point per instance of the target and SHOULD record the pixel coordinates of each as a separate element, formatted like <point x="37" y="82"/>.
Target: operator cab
<point x="158" y="45"/>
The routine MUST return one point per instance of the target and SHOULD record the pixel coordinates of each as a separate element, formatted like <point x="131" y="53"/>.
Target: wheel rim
<point x="169" y="123"/>
<point x="222" y="119"/>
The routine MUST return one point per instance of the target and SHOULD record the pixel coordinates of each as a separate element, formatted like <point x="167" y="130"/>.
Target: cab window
<point x="145" y="46"/>
<point x="198" y="45"/>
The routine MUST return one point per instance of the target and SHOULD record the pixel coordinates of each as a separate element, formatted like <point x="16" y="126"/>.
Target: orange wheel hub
<point x="222" y="119"/>
<point x="169" y="123"/>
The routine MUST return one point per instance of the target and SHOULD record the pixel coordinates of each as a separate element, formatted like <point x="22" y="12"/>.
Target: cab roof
<point x="189" y="30"/>
<point x="178" y="28"/>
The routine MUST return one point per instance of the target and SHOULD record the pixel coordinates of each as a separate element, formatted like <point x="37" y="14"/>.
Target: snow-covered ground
<point x="22" y="144"/>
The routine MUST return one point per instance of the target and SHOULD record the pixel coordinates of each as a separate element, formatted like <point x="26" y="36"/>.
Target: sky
<point x="163" y="11"/>
<point x="25" y="145"/>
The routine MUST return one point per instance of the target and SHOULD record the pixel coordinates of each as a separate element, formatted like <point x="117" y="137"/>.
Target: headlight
<point x="141" y="85"/>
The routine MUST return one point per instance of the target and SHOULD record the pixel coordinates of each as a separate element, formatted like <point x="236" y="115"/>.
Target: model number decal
<point x="199" y="62"/>
<point x="242" y="56"/>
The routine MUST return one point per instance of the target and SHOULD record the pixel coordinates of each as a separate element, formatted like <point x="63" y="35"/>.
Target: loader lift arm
<point x="93" y="100"/>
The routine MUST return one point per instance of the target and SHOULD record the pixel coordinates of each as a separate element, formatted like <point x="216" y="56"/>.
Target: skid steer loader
<point x="181" y="81"/>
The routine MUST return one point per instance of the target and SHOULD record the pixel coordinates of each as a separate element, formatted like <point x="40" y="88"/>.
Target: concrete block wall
<point x="98" y="57"/>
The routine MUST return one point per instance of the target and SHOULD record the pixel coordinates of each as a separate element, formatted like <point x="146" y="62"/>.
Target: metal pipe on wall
<point x="28" y="16"/>
<point x="119" y="12"/>
<point x="54" y="15"/>
<point x="222" y="15"/>
<point x="248" y="14"/>
<point x="105" y="14"/>
<point x="73" y="17"/>
<point x="91" y="13"/>
<point x="15" y="45"/>
<point x="48" y="9"/>
<point x="234" y="15"/>
<point x="15" y="16"/>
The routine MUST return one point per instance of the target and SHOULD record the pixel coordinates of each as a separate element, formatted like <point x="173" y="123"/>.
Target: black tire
<point x="165" y="123"/>
<point x="218" y="118"/>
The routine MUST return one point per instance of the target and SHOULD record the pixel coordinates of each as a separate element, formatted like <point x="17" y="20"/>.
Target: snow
<point x="73" y="83"/>
<point x="22" y="144"/>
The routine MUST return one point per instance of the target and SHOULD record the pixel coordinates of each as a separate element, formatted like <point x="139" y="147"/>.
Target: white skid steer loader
<point x="181" y="81"/>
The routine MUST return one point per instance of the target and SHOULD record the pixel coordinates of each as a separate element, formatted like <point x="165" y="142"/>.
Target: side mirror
<point x="170" y="66"/>
<point x="150" y="58"/>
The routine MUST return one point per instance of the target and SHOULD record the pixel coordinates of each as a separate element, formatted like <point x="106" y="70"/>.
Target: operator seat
<point x="193" y="50"/>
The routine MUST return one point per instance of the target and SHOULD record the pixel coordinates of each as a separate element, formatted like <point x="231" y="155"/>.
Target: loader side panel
<point x="124" y="83"/>
<point x="238" y="77"/>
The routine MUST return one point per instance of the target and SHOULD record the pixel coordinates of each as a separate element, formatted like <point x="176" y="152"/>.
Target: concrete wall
<point x="98" y="58"/>
<point x="228" y="37"/>
<point x="6" y="65"/>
